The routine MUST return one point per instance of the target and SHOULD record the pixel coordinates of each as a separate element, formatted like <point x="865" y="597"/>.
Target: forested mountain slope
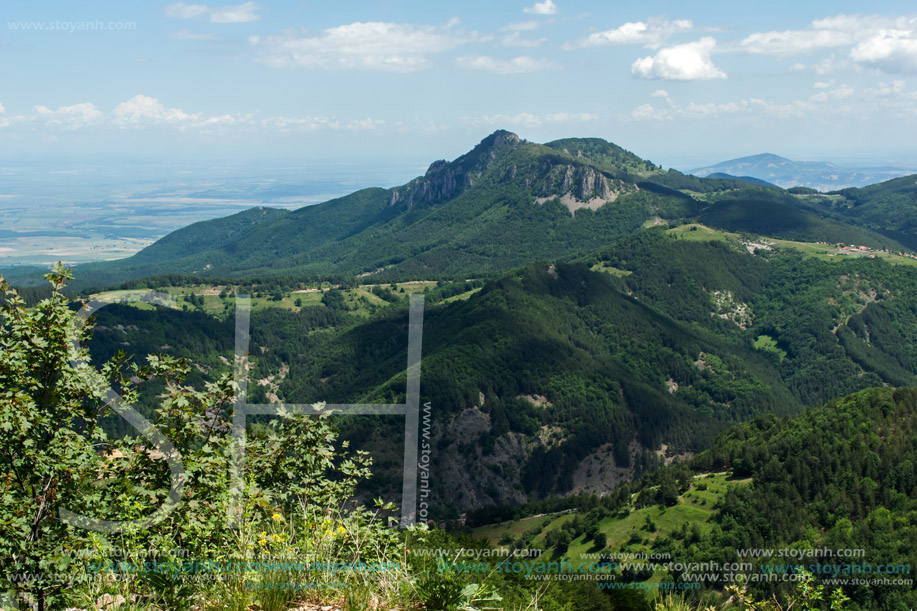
<point x="890" y="207"/>
<point x="831" y="492"/>
<point x="839" y="477"/>
<point x="560" y="377"/>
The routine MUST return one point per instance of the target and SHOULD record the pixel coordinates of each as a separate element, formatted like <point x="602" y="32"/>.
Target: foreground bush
<point x="298" y="536"/>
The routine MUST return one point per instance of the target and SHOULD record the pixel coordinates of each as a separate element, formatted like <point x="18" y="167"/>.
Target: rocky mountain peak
<point x="445" y="180"/>
<point x="481" y="156"/>
<point x="498" y="139"/>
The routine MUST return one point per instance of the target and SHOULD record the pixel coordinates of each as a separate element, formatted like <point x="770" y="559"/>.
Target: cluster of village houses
<point x="871" y="252"/>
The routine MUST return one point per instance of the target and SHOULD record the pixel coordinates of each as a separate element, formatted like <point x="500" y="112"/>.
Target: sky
<point x="682" y="84"/>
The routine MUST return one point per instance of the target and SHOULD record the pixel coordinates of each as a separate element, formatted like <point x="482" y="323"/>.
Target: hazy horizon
<point x="100" y="208"/>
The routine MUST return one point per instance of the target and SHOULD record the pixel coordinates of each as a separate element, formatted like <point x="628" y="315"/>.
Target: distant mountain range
<point x="813" y="174"/>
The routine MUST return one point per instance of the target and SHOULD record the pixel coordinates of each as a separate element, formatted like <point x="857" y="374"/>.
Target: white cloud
<point x="517" y="65"/>
<point x="830" y="64"/>
<point x="242" y="13"/>
<point x="523" y="26"/>
<point x="69" y="117"/>
<point x="237" y="13"/>
<point x="842" y="102"/>
<point x="180" y="10"/>
<point x="653" y="33"/>
<point x="526" y="119"/>
<point x="515" y="39"/>
<point x="222" y="120"/>
<point x="285" y="124"/>
<point x="365" y="124"/>
<point x="542" y="8"/>
<point x="709" y="110"/>
<point x="792" y="42"/>
<point x="687" y="62"/>
<point x="2" y="109"/>
<point x="887" y="42"/>
<point x="384" y="46"/>
<point x="718" y="110"/>
<point x="144" y="109"/>
<point x="311" y="124"/>
<point x="189" y="35"/>
<point x="713" y="110"/>
<point x="889" y="50"/>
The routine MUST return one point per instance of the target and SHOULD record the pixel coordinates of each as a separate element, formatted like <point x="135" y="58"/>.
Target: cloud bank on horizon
<point x="251" y="76"/>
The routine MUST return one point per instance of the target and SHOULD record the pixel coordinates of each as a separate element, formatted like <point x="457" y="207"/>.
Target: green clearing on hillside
<point x="697" y="232"/>
<point x="128" y="297"/>
<point x="634" y="535"/>
<point x="360" y="301"/>
<point x="694" y="507"/>
<point x="462" y="296"/>
<point x="609" y="269"/>
<point x="830" y="252"/>
<point x="549" y="521"/>
<point x="769" y="344"/>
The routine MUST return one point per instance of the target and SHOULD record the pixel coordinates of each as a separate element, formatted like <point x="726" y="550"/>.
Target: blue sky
<point x="681" y="84"/>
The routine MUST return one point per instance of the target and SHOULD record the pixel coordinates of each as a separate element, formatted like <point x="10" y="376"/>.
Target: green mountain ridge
<point x="478" y="213"/>
<point x="505" y="203"/>
<point x="204" y="235"/>
<point x="886" y="207"/>
<point x="750" y="179"/>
